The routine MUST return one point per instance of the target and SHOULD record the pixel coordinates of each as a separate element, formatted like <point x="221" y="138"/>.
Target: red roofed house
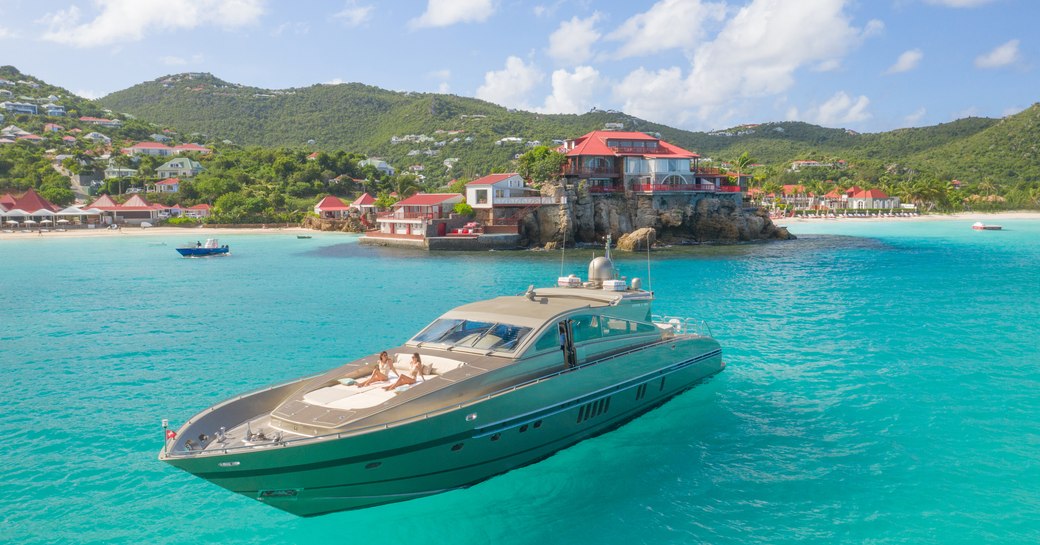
<point x="872" y="199"/>
<point x="136" y="210"/>
<point x="617" y="161"/>
<point x="412" y="216"/>
<point x="157" y="149"/>
<point x="169" y="185"/>
<point x="364" y="203"/>
<point x="499" y="198"/>
<point x="30" y="202"/>
<point x="197" y="211"/>
<point x="194" y="148"/>
<point x="331" y="208"/>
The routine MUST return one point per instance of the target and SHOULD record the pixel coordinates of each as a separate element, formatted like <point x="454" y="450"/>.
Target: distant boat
<point x="303" y="236"/>
<point x="211" y="248"/>
<point x="979" y="226"/>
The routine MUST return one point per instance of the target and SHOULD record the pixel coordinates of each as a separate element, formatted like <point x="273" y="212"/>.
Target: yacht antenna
<point x="649" y="285"/>
<point x="563" y="249"/>
<point x="608" y="246"/>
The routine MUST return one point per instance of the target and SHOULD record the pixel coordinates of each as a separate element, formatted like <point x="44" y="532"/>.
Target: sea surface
<point x="883" y="386"/>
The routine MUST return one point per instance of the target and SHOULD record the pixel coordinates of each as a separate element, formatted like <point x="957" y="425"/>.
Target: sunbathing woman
<point x="413" y="374"/>
<point x="382" y="372"/>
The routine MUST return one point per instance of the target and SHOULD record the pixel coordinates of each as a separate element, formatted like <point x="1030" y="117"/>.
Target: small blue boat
<point x="211" y="248"/>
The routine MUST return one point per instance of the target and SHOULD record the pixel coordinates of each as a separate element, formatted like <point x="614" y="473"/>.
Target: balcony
<point x="729" y="189"/>
<point x="605" y="188"/>
<point x="398" y="215"/>
<point x="591" y="172"/>
<point x="523" y="201"/>
<point x="706" y="171"/>
<point x="639" y="149"/>
<point x="672" y="188"/>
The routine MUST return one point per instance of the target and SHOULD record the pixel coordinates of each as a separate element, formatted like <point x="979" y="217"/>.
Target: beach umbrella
<point x="46" y="221"/>
<point x="63" y="220"/>
<point x="12" y="222"/>
<point x="29" y="222"/>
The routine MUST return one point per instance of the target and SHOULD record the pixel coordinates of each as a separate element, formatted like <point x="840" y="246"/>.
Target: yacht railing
<point x="683" y="326"/>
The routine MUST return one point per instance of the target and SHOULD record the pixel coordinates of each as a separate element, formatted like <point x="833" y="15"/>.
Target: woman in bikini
<point x="414" y="373"/>
<point x="384" y="367"/>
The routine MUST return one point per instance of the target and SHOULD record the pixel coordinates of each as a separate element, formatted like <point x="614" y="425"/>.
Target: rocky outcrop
<point x="675" y="218"/>
<point x="350" y="224"/>
<point x="637" y="240"/>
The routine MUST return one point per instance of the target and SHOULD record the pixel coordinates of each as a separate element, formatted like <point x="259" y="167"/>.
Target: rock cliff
<point x="676" y="218"/>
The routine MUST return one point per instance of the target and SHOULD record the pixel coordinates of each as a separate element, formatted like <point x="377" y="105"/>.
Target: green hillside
<point x="363" y="119"/>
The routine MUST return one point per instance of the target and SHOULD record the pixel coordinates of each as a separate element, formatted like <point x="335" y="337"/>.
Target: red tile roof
<point x="427" y="199"/>
<point x="104" y="202"/>
<point x="331" y="203"/>
<point x="202" y="206"/>
<point x="31" y="201"/>
<point x="191" y="147"/>
<point x="364" y="200"/>
<point x="870" y="194"/>
<point x="595" y="143"/>
<point x="492" y="179"/>
<point x="169" y="181"/>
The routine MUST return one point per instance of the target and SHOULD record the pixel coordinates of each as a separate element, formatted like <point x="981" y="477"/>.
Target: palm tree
<point x="742" y="163"/>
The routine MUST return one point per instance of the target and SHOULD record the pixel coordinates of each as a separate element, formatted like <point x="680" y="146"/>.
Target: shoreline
<point x="202" y="233"/>
<point x="971" y="217"/>
<point x="194" y="233"/>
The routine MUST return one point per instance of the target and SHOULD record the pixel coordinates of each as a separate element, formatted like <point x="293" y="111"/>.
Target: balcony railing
<point x="655" y="188"/>
<point x="706" y="171"/>
<point x="396" y="215"/>
<point x="523" y="201"/>
<point x="640" y="149"/>
<point x="591" y="172"/>
<point x="605" y="189"/>
<point x="729" y="189"/>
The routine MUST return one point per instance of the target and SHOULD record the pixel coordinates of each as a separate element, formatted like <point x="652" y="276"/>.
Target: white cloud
<point x="828" y="65"/>
<point x="914" y="118"/>
<point x="443" y="75"/>
<point x="756" y="54"/>
<point x="132" y="20"/>
<point x="906" y="62"/>
<point x="448" y="12"/>
<point x="298" y="29"/>
<point x="572" y="43"/>
<point x="1011" y="110"/>
<point x="873" y="28"/>
<point x="335" y="81"/>
<point x="6" y="33"/>
<point x="959" y="3"/>
<point x="88" y="94"/>
<point x="837" y="110"/>
<point x="354" y="15"/>
<point x="1003" y="55"/>
<point x="510" y="86"/>
<point x="668" y="24"/>
<point x="573" y="92"/>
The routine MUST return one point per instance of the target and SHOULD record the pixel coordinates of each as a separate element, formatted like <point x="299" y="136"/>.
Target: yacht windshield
<point x="473" y="334"/>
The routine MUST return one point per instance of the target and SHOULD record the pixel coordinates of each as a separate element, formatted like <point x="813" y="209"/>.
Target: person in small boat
<point x="384" y="367"/>
<point x="414" y="373"/>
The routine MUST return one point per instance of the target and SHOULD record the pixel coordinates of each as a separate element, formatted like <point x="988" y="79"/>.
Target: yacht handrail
<point x="683" y="326"/>
<point x="395" y="423"/>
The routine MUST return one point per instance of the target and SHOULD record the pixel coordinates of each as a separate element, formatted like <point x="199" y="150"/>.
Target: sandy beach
<point x="970" y="217"/>
<point x="192" y="233"/>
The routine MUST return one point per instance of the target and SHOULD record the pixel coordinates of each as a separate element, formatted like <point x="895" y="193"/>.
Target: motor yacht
<point x="503" y="383"/>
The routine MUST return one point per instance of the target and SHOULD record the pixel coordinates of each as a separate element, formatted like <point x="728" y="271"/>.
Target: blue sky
<point x="868" y="65"/>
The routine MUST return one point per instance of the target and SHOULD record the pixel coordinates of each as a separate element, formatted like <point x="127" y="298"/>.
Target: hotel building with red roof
<point x="636" y="162"/>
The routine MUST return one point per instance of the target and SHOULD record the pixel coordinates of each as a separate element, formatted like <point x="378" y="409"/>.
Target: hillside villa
<point x="182" y="167"/>
<point x="501" y="199"/>
<point x="638" y="163"/>
<point x="331" y="208"/>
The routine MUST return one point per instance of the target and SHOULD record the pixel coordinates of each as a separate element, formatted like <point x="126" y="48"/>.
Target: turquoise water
<point x="883" y="387"/>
